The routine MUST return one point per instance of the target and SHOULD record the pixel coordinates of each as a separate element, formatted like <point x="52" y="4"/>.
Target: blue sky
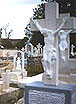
<point x="17" y="14"/>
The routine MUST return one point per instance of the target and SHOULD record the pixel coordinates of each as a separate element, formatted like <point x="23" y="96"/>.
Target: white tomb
<point x="18" y="72"/>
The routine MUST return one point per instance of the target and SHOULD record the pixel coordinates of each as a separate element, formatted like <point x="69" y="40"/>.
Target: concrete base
<point x="38" y="93"/>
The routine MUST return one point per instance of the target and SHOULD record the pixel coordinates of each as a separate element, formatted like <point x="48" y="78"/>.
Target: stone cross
<point x="72" y="48"/>
<point x="52" y="21"/>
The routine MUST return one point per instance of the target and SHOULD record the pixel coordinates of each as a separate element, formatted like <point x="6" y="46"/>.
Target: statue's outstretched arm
<point x="69" y="32"/>
<point x="37" y="25"/>
<point x="61" y="26"/>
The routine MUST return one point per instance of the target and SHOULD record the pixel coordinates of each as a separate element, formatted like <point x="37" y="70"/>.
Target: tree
<point x="39" y="12"/>
<point x="27" y="31"/>
<point x="7" y="31"/>
<point x="66" y="6"/>
<point x="6" y="43"/>
<point x="21" y="44"/>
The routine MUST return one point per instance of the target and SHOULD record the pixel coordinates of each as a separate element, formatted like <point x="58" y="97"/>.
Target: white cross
<point x="52" y="21"/>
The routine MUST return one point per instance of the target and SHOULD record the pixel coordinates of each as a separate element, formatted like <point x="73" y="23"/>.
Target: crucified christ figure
<point x="49" y="51"/>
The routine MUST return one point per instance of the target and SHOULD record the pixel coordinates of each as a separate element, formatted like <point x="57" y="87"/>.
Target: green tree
<point x="21" y="44"/>
<point x="6" y="43"/>
<point x="27" y="31"/>
<point x="66" y="6"/>
<point x="39" y="12"/>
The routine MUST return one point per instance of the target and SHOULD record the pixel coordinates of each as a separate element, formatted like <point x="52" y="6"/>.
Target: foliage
<point x="21" y="44"/>
<point x="39" y="12"/>
<point x="37" y="38"/>
<point x="7" y="31"/>
<point x="15" y="96"/>
<point x="34" y="70"/>
<point x="34" y="66"/>
<point x="12" y="44"/>
<point x="27" y="31"/>
<point x="67" y="6"/>
<point x="6" y="43"/>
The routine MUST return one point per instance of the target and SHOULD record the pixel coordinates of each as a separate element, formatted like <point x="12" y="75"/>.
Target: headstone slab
<point x="38" y="93"/>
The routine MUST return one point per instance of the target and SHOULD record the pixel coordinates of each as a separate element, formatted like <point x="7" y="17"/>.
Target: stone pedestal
<point x="38" y="93"/>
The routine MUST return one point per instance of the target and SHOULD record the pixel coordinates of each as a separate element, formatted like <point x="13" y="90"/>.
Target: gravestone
<point x="46" y="92"/>
<point x="18" y="72"/>
<point x="18" y="61"/>
<point x="38" y="93"/>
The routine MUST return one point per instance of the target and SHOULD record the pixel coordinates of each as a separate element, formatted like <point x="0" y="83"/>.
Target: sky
<point x="17" y="13"/>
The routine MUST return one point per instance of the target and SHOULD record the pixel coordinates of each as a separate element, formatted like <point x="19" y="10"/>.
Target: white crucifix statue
<point x="63" y="45"/>
<point x="49" y="28"/>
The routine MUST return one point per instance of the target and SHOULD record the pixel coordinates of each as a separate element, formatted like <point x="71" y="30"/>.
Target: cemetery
<point x="42" y="74"/>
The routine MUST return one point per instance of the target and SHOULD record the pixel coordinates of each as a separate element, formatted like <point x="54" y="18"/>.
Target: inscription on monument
<point x="74" y="98"/>
<point x="40" y="97"/>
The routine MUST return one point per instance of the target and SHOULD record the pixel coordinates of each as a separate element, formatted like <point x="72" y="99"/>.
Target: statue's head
<point x="18" y="58"/>
<point x="61" y="32"/>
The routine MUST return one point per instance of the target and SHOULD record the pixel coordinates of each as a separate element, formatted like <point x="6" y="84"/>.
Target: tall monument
<point x="52" y="25"/>
<point x="39" y="92"/>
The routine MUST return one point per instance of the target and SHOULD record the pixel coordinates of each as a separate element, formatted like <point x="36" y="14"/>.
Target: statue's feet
<point x="63" y="59"/>
<point x="48" y="75"/>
